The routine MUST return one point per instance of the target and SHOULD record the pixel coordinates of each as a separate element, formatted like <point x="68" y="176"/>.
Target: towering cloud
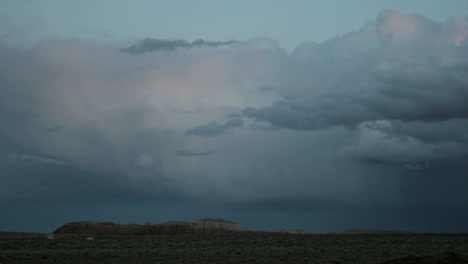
<point x="414" y="76"/>
<point x="357" y="121"/>
<point x="417" y="73"/>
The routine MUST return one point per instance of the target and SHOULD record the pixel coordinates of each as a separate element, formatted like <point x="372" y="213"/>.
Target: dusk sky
<point x="320" y="115"/>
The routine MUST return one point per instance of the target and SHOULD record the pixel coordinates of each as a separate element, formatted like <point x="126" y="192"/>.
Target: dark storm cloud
<point x="213" y="128"/>
<point x="401" y="84"/>
<point x="433" y="95"/>
<point x="417" y="75"/>
<point x="453" y="130"/>
<point x="312" y="114"/>
<point x="408" y="144"/>
<point x="373" y="119"/>
<point x="152" y="45"/>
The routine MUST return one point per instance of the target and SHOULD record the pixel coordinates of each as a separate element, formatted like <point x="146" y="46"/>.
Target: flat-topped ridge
<point x="198" y="227"/>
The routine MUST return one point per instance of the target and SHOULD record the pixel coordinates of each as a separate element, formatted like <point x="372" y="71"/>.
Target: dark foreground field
<point x="239" y="248"/>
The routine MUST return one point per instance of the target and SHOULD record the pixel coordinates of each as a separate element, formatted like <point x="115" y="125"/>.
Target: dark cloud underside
<point x="214" y="128"/>
<point x="154" y="45"/>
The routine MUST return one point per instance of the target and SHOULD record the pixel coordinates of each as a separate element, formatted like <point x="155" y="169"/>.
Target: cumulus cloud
<point x="388" y="84"/>
<point x="404" y="70"/>
<point x="417" y="32"/>
<point x="153" y="45"/>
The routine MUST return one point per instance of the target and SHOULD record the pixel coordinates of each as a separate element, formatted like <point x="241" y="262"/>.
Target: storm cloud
<point x="402" y="73"/>
<point x="417" y="73"/>
<point x="372" y="120"/>
<point x="95" y="108"/>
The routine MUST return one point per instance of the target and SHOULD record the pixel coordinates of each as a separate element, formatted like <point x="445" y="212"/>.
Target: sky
<point x="314" y="115"/>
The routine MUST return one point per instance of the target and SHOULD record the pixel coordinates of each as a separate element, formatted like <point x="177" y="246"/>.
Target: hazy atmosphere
<point x="316" y="115"/>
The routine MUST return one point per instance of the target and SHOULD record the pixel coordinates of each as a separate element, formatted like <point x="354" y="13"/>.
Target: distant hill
<point x="205" y="226"/>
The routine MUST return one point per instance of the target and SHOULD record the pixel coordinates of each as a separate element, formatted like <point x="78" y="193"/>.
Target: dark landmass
<point x="237" y="247"/>
<point x="205" y="226"/>
<point x="216" y="240"/>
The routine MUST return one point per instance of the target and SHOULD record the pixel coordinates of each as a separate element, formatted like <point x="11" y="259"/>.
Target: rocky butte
<point x="205" y="226"/>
